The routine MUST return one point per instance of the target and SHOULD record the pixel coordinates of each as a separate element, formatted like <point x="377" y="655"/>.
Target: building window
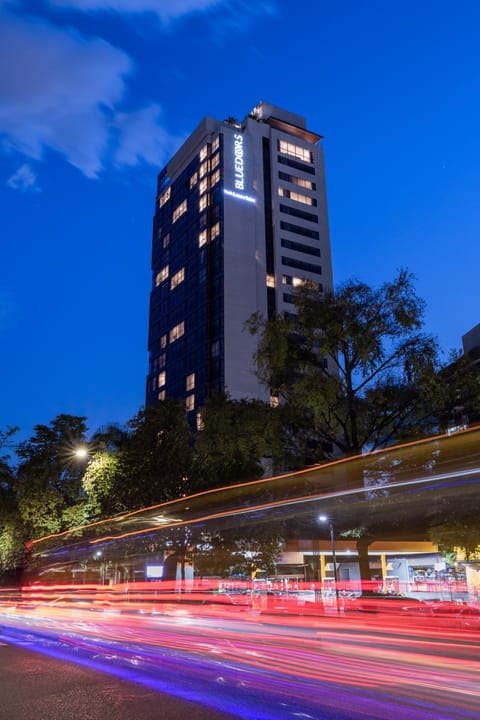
<point x="179" y="211"/>
<point x="204" y="168"/>
<point x="190" y="403"/>
<point x="204" y="202"/>
<point x="162" y="378"/>
<point x="190" y="382"/>
<point x="297" y="281"/>
<point x="161" y="395"/>
<point x="300" y="247"/>
<point x="177" y="331"/>
<point x="162" y="359"/>
<point x="166" y="240"/>
<point x="163" y="341"/>
<point x="200" y="423"/>
<point x="215" y="231"/>
<point x="193" y="180"/>
<point x="271" y="281"/>
<point x="300" y="265"/>
<point x="287" y="298"/>
<point x="216" y="144"/>
<point x="161" y="276"/>
<point x="302" y="214"/>
<point x="214" y="161"/>
<point x="203" y="187"/>
<point x="177" y="278"/>
<point x="164" y="197"/>
<point x="202" y="238"/>
<point x="274" y="401"/>
<point x="203" y="153"/>
<point x="295" y="151"/>
<point x="301" y="182"/>
<point x="298" y="197"/>
<point x="298" y="230"/>
<point x="310" y="169"/>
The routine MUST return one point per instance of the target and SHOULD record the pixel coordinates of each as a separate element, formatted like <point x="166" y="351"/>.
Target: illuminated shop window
<point x="190" y="382"/>
<point x="177" y="278"/>
<point x="296" y="151"/>
<point x="164" y="197"/>
<point x="177" y="331"/>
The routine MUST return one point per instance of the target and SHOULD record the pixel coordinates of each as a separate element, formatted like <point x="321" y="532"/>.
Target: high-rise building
<point x="240" y="220"/>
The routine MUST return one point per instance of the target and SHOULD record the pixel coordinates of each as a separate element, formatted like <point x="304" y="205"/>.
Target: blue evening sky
<point x="95" y="95"/>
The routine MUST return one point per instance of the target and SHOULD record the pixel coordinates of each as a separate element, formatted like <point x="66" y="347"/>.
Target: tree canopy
<point x="357" y="360"/>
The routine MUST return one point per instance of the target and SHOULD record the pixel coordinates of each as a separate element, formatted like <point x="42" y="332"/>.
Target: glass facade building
<point x="240" y="220"/>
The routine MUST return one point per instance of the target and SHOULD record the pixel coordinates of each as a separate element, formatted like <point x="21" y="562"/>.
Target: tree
<point x="356" y="360"/>
<point x="48" y="483"/>
<point x="155" y="461"/>
<point x="236" y="435"/>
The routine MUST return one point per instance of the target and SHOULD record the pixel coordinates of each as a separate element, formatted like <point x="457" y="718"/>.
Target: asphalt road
<point x="34" y="686"/>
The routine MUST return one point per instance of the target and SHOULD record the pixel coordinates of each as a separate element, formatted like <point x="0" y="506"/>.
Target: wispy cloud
<point x="23" y="179"/>
<point x="58" y="90"/>
<point x="167" y="10"/>
<point x="142" y="139"/>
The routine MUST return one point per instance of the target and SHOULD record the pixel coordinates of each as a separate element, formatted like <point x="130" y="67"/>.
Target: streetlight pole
<point x="324" y="518"/>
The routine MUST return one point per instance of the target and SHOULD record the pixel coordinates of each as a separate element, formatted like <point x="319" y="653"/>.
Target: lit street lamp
<point x="324" y="519"/>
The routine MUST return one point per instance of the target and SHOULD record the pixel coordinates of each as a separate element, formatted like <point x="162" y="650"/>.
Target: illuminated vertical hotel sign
<point x="239" y="170"/>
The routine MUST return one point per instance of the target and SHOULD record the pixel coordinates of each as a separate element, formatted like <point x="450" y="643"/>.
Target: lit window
<point x="291" y="280"/>
<point x="193" y="180"/>
<point x="177" y="278"/>
<point x="298" y="197"/>
<point x="274" y="401"/>
<point x="202" y="238"/>
<point x="215" y="231"/>
<point x="295" y="150"/>
<point x="216" y="144"/>
<point x="200" y="423"/>
<point x="164" y="197"/>
<point x="203" y="153"/>
<point x="179" y="210"/>
<point x="162" y="378"/>
<point x="190" y="382"/>
<point x="190" y="403"/>
<point x="214" y="161"/>
<point x="214" y="178"/>
<point x="271" y="281"/>
<point x="161" y="395"/>
<point x="163" y="341"/>
<point x="203" y="187"/>
<point x="161" y="276"/>
<point x="203" y="169"/>
<point x="204" y="202"/>
<point x="166" y="240"/>
<point x="177" y="331"/>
